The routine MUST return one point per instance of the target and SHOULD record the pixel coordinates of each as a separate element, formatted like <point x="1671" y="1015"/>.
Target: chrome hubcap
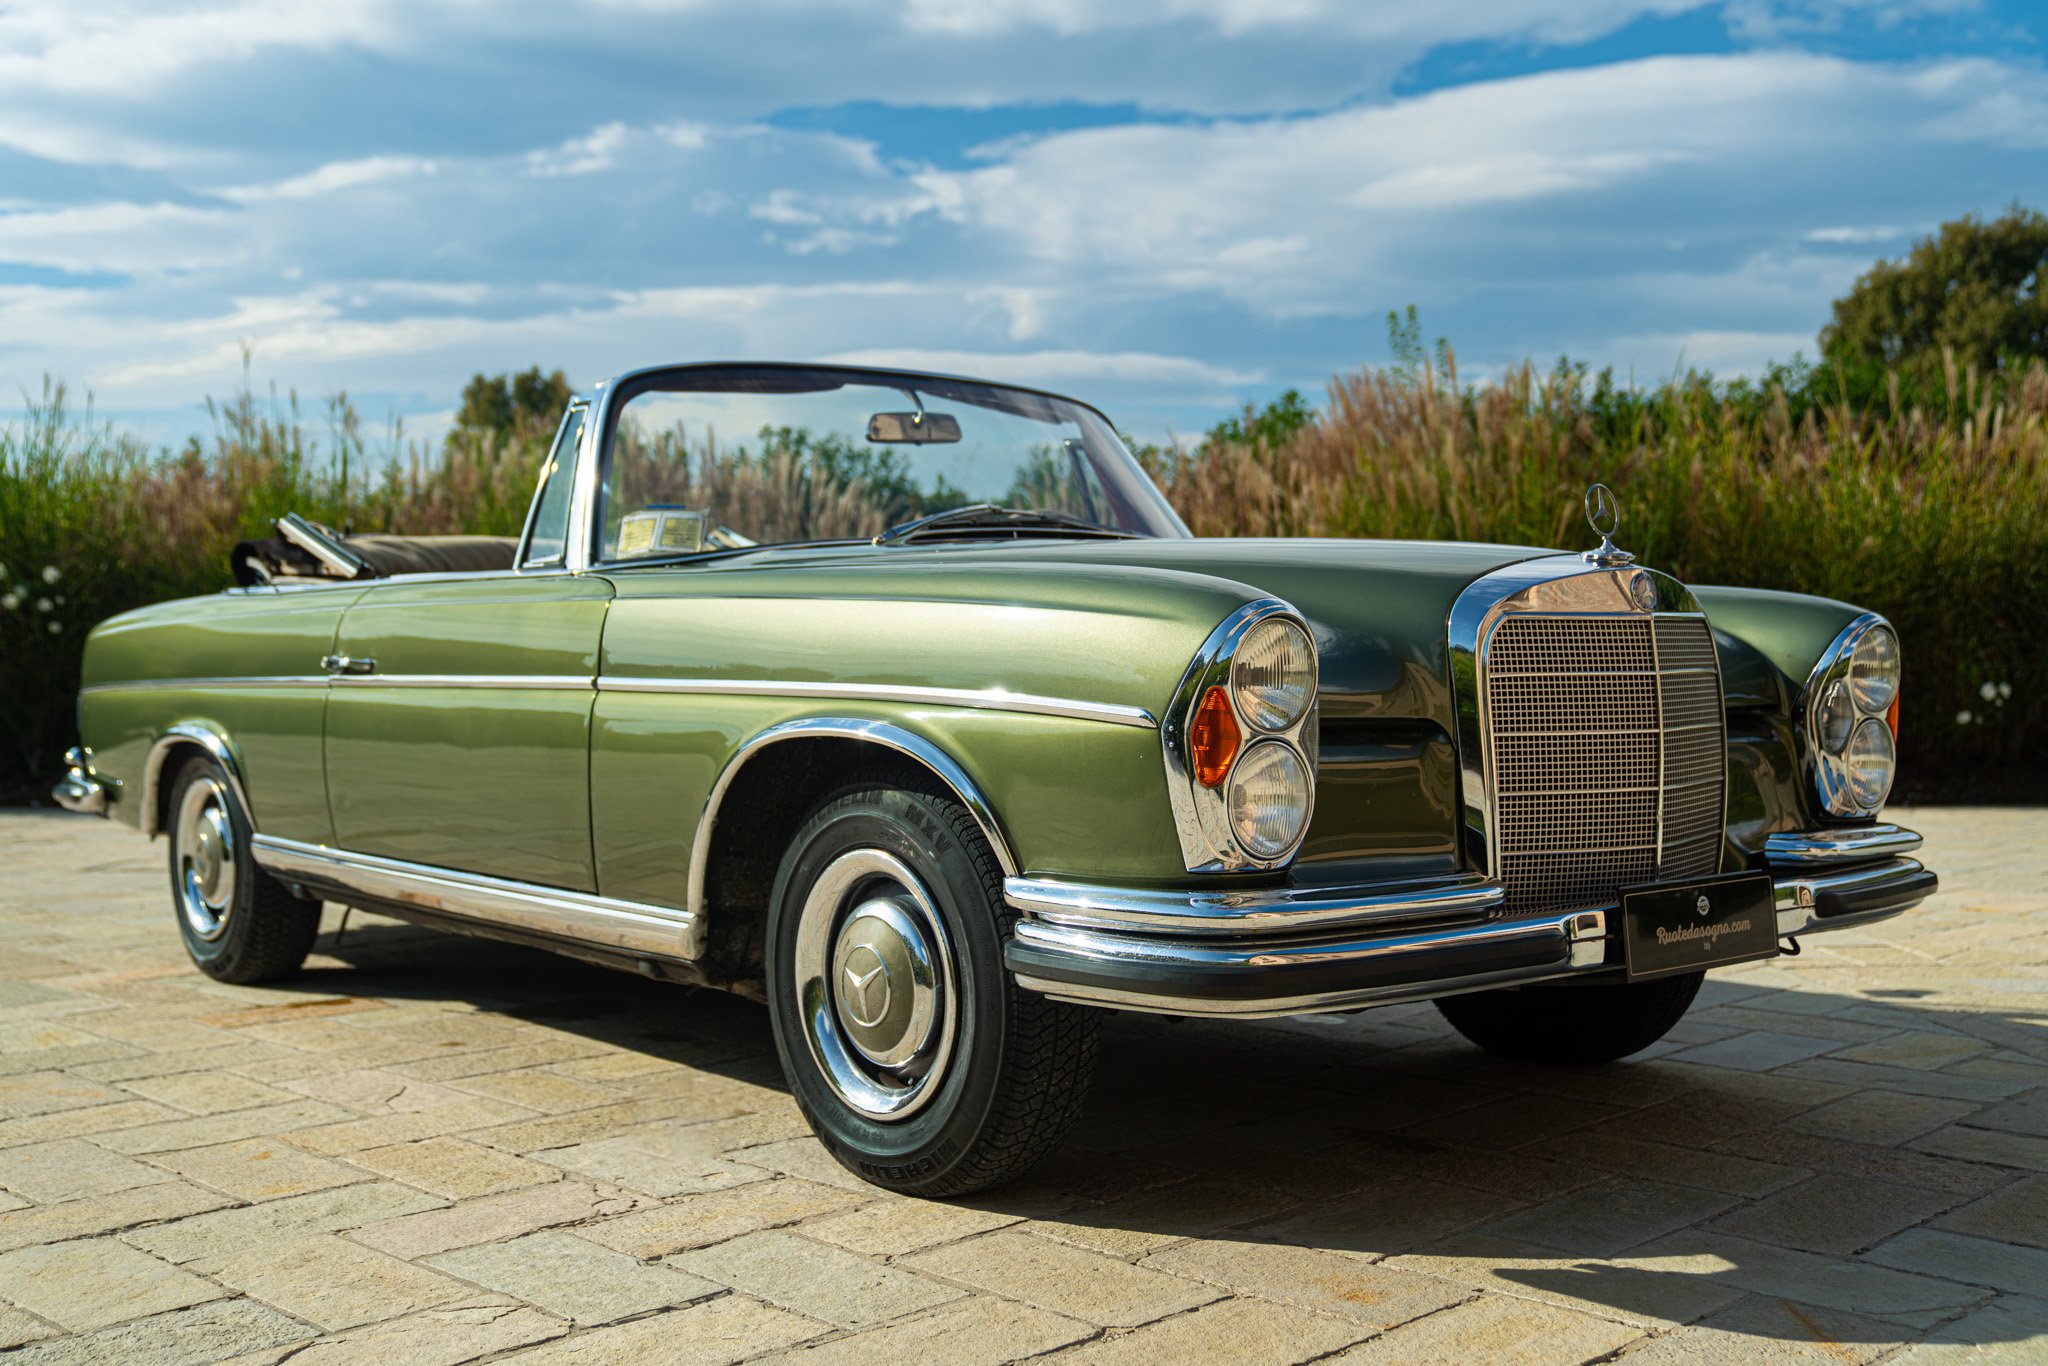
<point x="206" y="859"/>
<point x="875" y="984"/>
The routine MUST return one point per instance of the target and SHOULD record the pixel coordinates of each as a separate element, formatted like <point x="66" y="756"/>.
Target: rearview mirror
<point x="916" y="429"/>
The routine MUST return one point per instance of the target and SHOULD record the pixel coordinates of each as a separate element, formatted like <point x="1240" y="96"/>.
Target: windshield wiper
<point x="988" y="516"/>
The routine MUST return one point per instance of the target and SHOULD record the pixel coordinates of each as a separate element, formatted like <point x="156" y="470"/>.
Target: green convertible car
<point x="905" y="704"/>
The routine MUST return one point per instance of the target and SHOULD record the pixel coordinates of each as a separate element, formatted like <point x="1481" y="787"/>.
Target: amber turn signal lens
<point x="1891" y="716"/>
<point x="1213" y="737"/>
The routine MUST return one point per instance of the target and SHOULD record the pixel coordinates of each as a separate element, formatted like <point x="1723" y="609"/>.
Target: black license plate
<point x="1684" y="927"/>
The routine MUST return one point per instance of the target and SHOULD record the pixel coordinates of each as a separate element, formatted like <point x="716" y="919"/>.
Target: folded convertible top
<point x="260" y="562"/>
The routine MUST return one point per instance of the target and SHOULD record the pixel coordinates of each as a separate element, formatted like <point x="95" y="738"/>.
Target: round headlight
<point x="1836" y="717"/>
<point x="1273" y="675"/>
<point x="1868" y="764"/>
<point x="1269" y="798"/>
<point x="1874" y="670"/>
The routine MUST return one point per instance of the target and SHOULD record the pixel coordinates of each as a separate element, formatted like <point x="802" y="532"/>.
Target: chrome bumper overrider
<point x="79" y="789"/>
<point x="1300" y="951"/>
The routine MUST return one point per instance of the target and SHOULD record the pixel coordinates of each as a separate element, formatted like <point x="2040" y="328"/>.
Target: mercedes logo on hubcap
<point x="867" y="986"/>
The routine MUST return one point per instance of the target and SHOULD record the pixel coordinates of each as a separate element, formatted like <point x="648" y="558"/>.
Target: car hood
<point x="1379" y="610"/>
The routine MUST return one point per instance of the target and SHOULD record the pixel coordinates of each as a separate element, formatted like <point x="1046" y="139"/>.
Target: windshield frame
<point x="609" y="399"/>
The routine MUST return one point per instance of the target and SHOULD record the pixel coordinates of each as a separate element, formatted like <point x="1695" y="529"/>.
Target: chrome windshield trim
<point x="980" y="699"/>
<point x="623" y="926"/>
<point x="1260" y="911"/>
<point x="1824" y="848"/>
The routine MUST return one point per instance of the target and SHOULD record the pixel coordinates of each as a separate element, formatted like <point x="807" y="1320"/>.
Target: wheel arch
<point x="743" y="830"/>
<point x="169" y="751"/>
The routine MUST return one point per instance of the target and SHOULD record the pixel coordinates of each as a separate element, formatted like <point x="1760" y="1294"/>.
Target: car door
<point x="458" y="724"/>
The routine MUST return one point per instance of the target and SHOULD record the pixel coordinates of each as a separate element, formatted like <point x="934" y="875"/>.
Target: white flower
<point x="55" y="627"/>
<point x="10" y="601"/>
<point x="1988" y="691"/>
<point x="50" y="574"/>
<point x="1963" y="717"/>
<point x="44" y="605"/>
<point x="2005" y="690"/>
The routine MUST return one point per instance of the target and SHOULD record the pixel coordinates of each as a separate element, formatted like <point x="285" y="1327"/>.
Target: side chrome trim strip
<point x="978" y="699"/>
<point x="882" y="733"/>
<point x="623" y="926"/>
<point x="984" y="699"/>
<point x="507" y="682"/>
<point x="1827" y="848"/>
<point x="195" y="684"/>
<point x="1283" y="911"/>
<point x="188" y="733"/>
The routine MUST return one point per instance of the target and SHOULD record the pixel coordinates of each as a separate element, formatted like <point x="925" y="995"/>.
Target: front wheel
<point x="917" y="1060"/>
<point x="1572" y="1024"/>
<point x="239" y="923"/>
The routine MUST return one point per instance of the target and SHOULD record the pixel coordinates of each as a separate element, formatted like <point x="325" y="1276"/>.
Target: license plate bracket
<point x="1669" y="928"/>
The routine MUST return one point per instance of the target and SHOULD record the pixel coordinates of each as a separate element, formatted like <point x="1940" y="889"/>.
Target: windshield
<point x="724" y="456"/>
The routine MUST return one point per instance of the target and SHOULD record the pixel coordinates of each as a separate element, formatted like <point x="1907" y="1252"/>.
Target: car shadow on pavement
<point x="1790" y="1167"/>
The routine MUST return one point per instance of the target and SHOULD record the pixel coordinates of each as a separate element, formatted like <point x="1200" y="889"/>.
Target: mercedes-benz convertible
<point x="906" y="704"/>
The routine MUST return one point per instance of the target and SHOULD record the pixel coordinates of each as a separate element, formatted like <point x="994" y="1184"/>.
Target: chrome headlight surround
<point x="1835" y="711"/>
<point x="1201" y="815"/>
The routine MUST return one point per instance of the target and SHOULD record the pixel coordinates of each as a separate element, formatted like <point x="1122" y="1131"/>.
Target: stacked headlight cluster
<point x="1250" y="742"/>
<point x="1852" y="718"/>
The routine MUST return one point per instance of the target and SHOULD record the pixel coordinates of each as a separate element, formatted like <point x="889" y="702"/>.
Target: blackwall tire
<point x="238" y="923"/>
<point x="1572" y="1025"/>
<point x="919" y="1063"/>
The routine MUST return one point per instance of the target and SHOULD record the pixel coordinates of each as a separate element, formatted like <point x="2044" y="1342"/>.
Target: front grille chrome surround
<point x="1592" y="736"/>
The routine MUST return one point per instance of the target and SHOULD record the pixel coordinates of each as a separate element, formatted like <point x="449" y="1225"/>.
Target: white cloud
<point x="1852" y="235"/>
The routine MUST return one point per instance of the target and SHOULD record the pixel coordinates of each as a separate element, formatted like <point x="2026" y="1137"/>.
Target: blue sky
<point x="1165" y="206"/>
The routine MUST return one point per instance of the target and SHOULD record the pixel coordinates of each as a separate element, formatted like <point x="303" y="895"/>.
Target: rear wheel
<point x="1572" y="1024"/>
<point x="917" y="1060"/>
<point x="239" y="924"/>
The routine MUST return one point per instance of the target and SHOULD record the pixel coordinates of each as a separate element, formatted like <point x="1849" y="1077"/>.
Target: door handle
<point x="342" y="664"/>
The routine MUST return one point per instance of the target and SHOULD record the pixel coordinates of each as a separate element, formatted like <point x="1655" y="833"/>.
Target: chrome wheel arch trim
<point x="1549" y="584"/>
<point x="1200" y="817"/>
<point x="941" y="764"/>
<point x="208" y="738"/>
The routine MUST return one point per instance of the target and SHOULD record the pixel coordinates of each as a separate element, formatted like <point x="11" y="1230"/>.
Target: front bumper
<point x="80" y="789"/>
<point x="1297" y="952"/>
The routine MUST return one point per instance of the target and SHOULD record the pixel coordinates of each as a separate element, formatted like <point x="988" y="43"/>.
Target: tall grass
<point x="1937" y="519"/>
<point x="92" y="523"/>
<point x="1936" y="516"/>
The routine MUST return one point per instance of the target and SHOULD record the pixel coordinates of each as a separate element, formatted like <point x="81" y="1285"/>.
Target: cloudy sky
<point x="1168" y="206"/>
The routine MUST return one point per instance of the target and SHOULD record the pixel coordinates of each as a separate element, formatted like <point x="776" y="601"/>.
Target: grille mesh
<point x="1608" y="749"/>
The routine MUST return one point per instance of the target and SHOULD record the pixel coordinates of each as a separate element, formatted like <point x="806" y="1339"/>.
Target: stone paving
<point x="434" y="1150"/>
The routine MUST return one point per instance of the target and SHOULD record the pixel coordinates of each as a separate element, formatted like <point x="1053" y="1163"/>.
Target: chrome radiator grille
<point x="1607" y="746"/>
